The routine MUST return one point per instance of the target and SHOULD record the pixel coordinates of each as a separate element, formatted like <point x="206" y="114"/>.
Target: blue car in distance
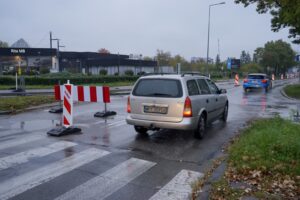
<point x="257" y="80"/>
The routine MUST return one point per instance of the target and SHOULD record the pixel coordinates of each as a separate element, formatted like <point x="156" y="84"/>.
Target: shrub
<point x="103" y="72"/>
<point x="45" y="70"/>
<point x="129" y="73"/>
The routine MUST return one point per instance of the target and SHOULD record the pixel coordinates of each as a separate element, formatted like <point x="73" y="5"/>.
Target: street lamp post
<point x="207" y="56"/>
<point x="17" y="71"/>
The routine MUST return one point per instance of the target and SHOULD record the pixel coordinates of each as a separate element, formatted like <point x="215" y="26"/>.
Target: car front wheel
<point x="201" y="129"/>
<point x="225" y="114"/>
<point x="140" y="129"/>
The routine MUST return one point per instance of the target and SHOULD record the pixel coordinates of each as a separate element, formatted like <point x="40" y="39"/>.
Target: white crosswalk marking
<point x="179" y="187"/>
<point x="18" y="141"/>
<point x="109" y="182"/>
<point x="19" y="158"/>
<point x="24" y="182"/>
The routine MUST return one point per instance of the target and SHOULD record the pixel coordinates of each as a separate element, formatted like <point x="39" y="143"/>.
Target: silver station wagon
<point x="176" y="101"/>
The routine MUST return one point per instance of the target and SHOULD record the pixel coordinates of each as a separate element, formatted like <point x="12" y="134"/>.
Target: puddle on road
<point x="270" y="107"/>
<point x="35" y="125"/>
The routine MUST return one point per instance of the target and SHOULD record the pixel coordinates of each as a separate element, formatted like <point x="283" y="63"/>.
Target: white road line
<point x="109" y="182"/>
<point x="179" y="187"/>
<point x="23" y="157"/>
<point x="24" y="182"/>
<point x="24" y="139"/>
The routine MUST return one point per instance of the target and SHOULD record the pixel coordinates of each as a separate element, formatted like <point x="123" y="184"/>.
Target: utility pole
<point x="50" y="40"/>
<point x="219" y="47"/>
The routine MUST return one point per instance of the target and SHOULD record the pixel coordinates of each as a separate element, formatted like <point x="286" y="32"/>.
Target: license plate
<point x="155" y="109"/>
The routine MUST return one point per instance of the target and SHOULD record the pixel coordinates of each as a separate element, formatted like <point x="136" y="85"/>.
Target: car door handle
<point x="207" y="101"/>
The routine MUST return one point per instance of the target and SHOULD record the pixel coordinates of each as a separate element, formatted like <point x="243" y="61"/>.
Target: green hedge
<point x="10" y="80"/>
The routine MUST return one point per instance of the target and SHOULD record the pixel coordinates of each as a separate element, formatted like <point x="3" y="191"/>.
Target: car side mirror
<point x="222" y="91"/>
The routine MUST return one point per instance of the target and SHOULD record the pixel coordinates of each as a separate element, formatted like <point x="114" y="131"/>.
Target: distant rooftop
<point x="21" y="43"/>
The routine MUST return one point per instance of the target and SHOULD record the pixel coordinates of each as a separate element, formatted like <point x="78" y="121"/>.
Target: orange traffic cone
<point x="236" y="80"/>
<point x="273" y="77"/>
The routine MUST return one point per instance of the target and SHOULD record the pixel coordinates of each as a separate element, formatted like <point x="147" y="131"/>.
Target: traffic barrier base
<point x="56" y="110"/>
<point x="60" y="131"/>
<point x="105" y="114"/>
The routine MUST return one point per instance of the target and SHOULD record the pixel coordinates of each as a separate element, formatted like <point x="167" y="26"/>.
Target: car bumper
<point x="185" y="124"/>
<point x="258" y="85"/>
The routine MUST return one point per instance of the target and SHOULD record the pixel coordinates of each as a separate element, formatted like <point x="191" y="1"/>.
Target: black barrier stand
<point x="105" y="113"/>
<point x="61" y="131"/>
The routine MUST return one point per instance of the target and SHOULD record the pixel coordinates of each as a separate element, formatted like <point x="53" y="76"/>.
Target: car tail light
<point x="128" y="105"/>
<point x="245" y="80"/>
<point x="264" y="81"/>
<point x="187" y="111"/>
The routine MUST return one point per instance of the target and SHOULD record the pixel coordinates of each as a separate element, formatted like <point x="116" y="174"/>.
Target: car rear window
<point x="158" y="88"/>
<point x="256" y="76"/>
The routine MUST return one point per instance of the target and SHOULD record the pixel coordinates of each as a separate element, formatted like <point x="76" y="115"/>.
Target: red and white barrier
<point x="236" y="80"/>
<point x="68" y="105"/>
<point x="273" y="77"/>
<point x="85" y="93"/>
<point x="69" y="93"/>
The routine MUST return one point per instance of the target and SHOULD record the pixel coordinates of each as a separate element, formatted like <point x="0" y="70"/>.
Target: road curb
<point x="6" y="112"/>
<point x="286" y="96"/>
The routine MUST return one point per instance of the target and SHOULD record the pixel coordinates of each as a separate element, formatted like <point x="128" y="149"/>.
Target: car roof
<point x="174" y="76"/>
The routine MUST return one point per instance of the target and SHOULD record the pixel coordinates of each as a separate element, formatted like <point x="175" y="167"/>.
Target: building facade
<point x="48" y="59"/>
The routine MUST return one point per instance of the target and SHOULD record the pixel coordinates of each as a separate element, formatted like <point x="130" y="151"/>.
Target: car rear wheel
<point x="140" y="129"/>
<point x="201" y="129"/>
<point x="225" y="113"/>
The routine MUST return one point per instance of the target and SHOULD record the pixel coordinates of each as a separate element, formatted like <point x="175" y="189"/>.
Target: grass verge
<point x="113" y="84"/>
<point x="264" y="162"/>
<point x="21" y="102"/>
<point x="293" y="91"/>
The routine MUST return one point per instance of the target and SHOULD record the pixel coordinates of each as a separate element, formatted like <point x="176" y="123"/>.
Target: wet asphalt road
<point x="109" y="160"/>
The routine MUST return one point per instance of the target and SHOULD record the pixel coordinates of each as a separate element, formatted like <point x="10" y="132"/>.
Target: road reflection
<point x="255" y="99"/>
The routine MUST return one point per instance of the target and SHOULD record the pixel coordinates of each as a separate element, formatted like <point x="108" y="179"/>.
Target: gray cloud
<point x="137" y="26"/>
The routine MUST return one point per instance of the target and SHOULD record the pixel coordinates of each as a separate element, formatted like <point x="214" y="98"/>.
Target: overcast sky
<point x="138" y="26"/>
